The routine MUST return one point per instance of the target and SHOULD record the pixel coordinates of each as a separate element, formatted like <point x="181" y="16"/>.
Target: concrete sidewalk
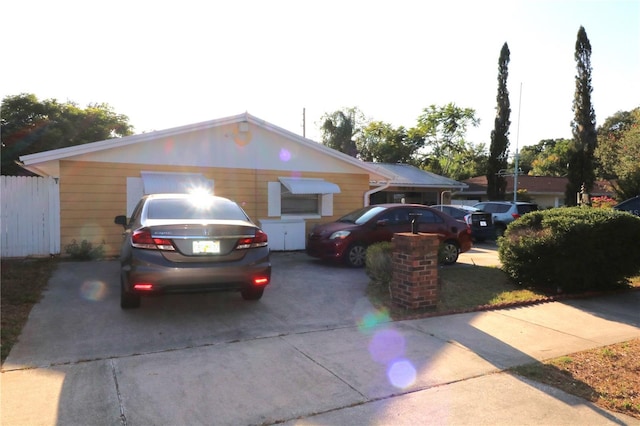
<point x="366" y="370"/>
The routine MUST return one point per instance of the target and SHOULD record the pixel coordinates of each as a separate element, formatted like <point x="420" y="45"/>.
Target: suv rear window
<point x="494" y="207"/>
<point x="526" y="208"/>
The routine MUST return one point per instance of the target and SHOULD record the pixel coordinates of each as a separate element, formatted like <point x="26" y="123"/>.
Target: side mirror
<point x="121" y="220"/>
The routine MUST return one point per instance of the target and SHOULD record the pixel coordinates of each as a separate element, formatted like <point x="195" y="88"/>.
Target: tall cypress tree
<point x="498" y="151"/>
<point x="581" y="172"/>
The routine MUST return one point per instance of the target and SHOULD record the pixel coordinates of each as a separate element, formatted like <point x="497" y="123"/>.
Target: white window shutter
<point x="327" y="205"/>
<point x="273" y="195"/>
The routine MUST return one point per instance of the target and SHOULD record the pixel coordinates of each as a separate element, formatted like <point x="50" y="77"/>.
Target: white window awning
<point x="309" y="186"/>
<point x="159" y="182"/>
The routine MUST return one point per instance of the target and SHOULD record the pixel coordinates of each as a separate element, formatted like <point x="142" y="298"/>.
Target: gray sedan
<point x="184" y="243"/>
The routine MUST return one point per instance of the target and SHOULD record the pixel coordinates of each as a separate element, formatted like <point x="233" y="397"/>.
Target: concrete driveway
<point x="82" y="318"/>
<point x="312" y="351"/>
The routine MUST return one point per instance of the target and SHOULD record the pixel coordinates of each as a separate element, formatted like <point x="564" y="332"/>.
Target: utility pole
<point x="516" y="170"/>
<point x="304" y="122"/>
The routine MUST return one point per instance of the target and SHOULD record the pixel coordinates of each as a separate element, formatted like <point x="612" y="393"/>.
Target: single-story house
<point x="286" y="183"/>
<point x="546" y="191"/>
<point x="413" y="185"/>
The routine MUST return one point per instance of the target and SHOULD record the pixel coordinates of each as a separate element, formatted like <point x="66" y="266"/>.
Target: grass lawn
<point x="23" y="281"/>
<point x="608" y="376"/>
<point x="463" y="288"/>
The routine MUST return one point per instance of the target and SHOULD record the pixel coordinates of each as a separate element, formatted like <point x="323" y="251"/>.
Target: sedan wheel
<point x="356" y="256"/>
<point x="449" y="253"/>
<point x="251" y="293"/>
<point x="128" y="300"/>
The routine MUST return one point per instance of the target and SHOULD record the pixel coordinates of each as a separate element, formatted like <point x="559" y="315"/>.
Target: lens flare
<point x="242" y="138"/>
<point x="386" y="345"/>
<point x="372" y="319"/>
<point x="94" y="291"/>
<point x="285" y="155"/>
<point x="168" y="146"/>
<point x="402" y="373"/>
<point x="200" y="198"/>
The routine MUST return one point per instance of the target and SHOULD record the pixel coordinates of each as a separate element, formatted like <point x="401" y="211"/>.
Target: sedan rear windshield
<point x="187" y="209"/>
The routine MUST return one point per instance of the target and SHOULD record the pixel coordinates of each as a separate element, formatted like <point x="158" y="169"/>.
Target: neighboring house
<point x="546" y="191"/>
<point x="413" y="185"/>
<point x="285" y="182"/>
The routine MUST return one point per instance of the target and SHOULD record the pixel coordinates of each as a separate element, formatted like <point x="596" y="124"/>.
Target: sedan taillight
<point x="258" y="240"/>
<point x="141" y="238"/>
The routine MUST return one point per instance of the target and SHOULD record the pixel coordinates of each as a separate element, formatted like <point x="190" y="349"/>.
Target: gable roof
<point x="407" y="175"/>
<point x="36" y="162"/>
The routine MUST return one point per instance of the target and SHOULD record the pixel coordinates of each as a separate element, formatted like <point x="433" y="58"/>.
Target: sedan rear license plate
<point x="483" y="223"/>
<point x="206" y="247"/>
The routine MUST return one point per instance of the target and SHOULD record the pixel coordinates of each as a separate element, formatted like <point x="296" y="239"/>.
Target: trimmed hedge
<point x="572" y="249"/>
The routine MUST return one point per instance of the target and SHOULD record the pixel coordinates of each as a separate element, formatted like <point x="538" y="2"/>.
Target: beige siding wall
<point x="93" y="193"/>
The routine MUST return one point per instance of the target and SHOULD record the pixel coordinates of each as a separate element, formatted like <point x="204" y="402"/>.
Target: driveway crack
<point x="326" y="369"/>
<point x="123" y="417"/>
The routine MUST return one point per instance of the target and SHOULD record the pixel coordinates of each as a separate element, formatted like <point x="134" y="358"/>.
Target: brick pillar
<point x="414" y="282"/>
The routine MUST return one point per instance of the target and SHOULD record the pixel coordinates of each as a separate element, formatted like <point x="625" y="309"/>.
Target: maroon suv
<point x="347" y="238"/>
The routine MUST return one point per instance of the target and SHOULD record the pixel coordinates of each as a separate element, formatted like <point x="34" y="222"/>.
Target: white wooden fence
<point x="30" y="212"/>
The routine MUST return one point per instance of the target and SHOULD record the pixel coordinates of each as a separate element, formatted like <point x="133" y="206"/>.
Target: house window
<point x="299" y="204"/>
<point x="301" y="197"/>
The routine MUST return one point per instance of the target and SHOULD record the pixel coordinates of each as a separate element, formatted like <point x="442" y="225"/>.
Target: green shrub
<point x="573" y="249"/>
<point x="84" y="251"/>
<point x="378" y="263"/>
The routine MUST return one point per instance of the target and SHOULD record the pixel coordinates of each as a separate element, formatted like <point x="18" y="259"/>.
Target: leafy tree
<point x="29" y="125"/>
<point x="609" y="135"/>
<point x="618" y="152"/>
<point x="382" y="143"/>
<point x="339" y="129"/>
<point x="472" y="161"/>
<point x="527" y="155"/>
<point x="443" y="130"/>
<point x="581" y="164"/>
<point x="499" y="148"/>
<point x="552" y="159"/>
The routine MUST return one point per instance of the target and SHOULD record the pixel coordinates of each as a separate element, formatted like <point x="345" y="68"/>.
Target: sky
<point x="167" y="63"/>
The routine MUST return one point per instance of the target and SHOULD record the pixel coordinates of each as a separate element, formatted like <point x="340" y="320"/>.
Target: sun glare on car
<point x="200" y="198"/>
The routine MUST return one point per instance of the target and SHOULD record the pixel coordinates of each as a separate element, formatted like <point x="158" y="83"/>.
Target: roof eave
<point x="37" y="170"/>
<point x="418" y="185"/>
<point x="57" y="154"/>
<point x="90" y="147"/>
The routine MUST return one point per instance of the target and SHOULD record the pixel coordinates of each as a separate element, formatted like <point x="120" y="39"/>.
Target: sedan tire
<point x="449" y="253"/>
<point x="252" y="293"/>
<point x="500" y="229"/>
<point x="356" y="256"/>
<point x="128" y="300"/>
